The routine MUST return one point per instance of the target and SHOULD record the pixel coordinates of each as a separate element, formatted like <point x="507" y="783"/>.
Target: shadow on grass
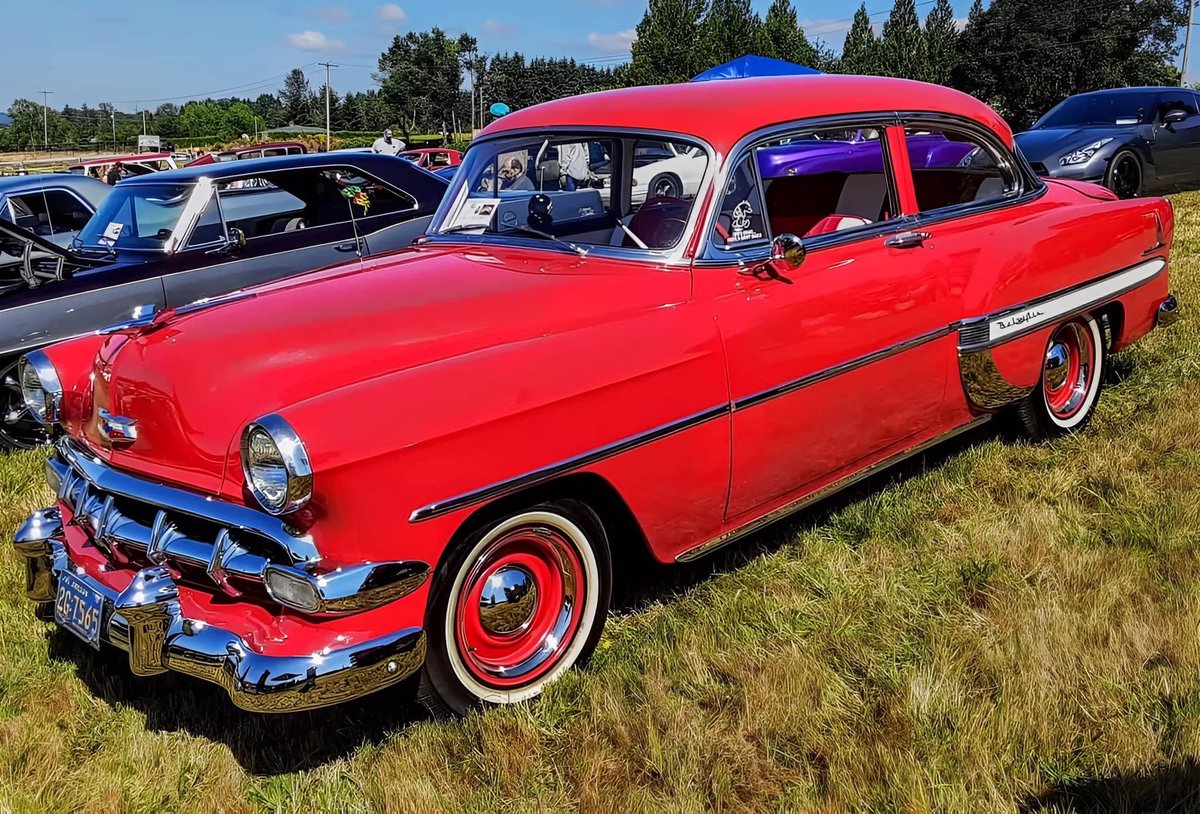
<point x="262" y="744"/>
<point x="1174" y="788"/>
<point x="277" y="744"/>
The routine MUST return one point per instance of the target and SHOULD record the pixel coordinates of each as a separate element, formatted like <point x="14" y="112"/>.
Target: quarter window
<point x="49" y="212"/>
<point x="951" y="168"/>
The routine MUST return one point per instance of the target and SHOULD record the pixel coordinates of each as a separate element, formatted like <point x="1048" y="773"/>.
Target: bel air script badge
<point x="1019" y="319"/>
<point x="117" y="430"/>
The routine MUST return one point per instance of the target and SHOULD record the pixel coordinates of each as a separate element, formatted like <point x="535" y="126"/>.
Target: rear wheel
<point x="1125" y="175"/>
<point x="520" y="601"/>
<point x="18" y="428"/>
<point x="666" y="185"/>
<point x="1072" y="376"/>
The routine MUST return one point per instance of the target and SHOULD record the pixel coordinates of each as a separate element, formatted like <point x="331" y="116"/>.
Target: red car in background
<point x="433" y="158"/>
<point x="267" y="150"/>
<point x="438" y="460"/>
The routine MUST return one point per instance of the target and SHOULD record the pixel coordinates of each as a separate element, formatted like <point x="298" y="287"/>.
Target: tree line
<point x="1020" y="56"/>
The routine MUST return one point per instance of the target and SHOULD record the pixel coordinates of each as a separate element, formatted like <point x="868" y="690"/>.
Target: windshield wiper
<point x="462" y="227"/>
<point x="566" y="244"/>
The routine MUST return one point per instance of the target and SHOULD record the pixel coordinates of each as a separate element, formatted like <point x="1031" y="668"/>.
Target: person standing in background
<point x="386" y="145"/>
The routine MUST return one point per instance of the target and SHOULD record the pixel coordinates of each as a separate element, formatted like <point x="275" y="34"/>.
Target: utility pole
<point x="114" y="123"/>
<point x="143" y="121"/>
<point x="45" y="118"/>
<point x="1187" y="42"/>
<point x="327" y="65"/>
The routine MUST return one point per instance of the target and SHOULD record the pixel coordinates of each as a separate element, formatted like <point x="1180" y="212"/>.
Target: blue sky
<point x="137" y="53"/>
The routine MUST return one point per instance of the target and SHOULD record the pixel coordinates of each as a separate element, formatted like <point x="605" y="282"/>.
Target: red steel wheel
<point x="1072" y="373"/>
<point x="524" y="601"/>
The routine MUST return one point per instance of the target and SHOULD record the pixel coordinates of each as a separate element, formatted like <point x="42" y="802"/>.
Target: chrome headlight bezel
<point x="1084" y="154"/>
<point x="291" y="455"/>
<point x="41" y="389"/>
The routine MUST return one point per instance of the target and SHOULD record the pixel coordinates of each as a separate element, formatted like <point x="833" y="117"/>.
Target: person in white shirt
<point x="386" y="145"/>
<point x="573" y="165"/>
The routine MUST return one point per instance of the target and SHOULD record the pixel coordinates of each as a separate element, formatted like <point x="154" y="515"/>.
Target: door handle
<point x="352" y="246"/>
<point x="907" y="240"/>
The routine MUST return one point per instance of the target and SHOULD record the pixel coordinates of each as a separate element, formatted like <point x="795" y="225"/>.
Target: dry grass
<point x="998" y="627"/>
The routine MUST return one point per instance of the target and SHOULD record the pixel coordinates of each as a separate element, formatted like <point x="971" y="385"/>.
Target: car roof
<point x="722" y="112"/>
<point x="250" y="166"/>
<point x="14" y="184"/>
<point x="132" y="158"/>
<point x="1135" y="90"/>
<point x="268" y="145"/>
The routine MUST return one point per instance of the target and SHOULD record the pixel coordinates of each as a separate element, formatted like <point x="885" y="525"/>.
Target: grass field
<point x="995" y="627"/>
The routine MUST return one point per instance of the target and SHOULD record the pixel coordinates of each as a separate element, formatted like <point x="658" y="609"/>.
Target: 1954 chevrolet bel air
<point x="433" y="463"/>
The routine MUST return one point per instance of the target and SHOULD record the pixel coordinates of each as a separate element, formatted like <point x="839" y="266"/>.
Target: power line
<point x="206" y="94"/>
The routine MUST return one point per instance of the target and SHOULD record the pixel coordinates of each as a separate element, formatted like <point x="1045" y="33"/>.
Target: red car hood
<point x="193" y="381"/>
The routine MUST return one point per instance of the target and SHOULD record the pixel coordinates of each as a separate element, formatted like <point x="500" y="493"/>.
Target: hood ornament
<point x="116" y="430"/>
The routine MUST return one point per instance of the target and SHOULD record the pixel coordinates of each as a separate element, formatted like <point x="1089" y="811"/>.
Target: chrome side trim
<point x="546" y="473"/>
<point x="820" y="494"/>
<point x="844" y="367"/>
<point x="985" y="386"/>
<point x="359" y="587"/>
<point x="1017" y="320"/>
<point x="147" y="621"/>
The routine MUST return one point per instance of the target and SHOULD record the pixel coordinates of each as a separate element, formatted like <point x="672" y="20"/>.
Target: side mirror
<point x="237" y="239"/>
<point x="1175" y="116"/>
<point x="788" y="250"/>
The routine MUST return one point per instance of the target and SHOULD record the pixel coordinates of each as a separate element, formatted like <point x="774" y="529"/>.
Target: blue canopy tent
<point x="750" y="65"/>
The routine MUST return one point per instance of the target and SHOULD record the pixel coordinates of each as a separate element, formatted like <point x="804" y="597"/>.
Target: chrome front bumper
<point x="145" y="620"/>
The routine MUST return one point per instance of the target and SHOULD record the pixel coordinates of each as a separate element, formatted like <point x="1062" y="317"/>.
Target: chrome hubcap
<point x="1057" y="367"/>
<point x="508" y="601"/>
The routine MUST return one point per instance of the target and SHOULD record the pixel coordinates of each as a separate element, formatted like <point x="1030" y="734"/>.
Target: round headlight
<point x="40" y="387"/>
<point x="276" y="465"/>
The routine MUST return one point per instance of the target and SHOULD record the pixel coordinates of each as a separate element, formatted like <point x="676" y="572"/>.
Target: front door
<point x="844" y="356"/>
<point x="1177" y="145"/>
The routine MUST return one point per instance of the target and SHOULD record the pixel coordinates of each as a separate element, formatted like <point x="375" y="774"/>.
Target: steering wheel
<point x="667" y="232"/>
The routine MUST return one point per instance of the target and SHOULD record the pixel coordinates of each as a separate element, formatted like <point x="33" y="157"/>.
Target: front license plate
<point x="79" y="608"/>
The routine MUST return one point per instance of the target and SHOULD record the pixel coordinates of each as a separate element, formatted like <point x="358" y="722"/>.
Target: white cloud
<point x="610" y="43"/>
<point x="392" y="13"/>
<point x="313" y="41"/>
<point x="330" y="14"/>
<point x="499" y="28"/>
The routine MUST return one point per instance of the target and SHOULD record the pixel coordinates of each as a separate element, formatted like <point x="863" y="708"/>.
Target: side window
<point x="209" y="228"/>
<point x="360" y="196"/>
<point x="50" y="212"/>
<point x="741" y="220"/>
<point x="1182" y="100"/>
<point x="826" y="181"/>
<point x="258" y="207"/>
<point x="951" y="168"/>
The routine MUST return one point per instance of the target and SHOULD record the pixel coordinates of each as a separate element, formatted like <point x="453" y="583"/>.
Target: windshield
<point x="1113" y="108"/>
<point x="562" y="188"/>
<point x="141" y="216"/>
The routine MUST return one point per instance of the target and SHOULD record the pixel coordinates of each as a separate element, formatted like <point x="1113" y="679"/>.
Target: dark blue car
<point x="167" y="239"/>
<point x="1135" y="141"/>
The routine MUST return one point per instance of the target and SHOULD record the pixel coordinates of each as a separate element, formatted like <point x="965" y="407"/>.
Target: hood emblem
<point x="116" y="430"/>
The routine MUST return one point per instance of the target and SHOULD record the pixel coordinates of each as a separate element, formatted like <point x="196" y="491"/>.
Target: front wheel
<point x="1125" y="175"/>
<point x="666" y="185"/>
<point x="519" y="602"/>
<point x="18" y="428"/>
<point x="1072" y="376"/>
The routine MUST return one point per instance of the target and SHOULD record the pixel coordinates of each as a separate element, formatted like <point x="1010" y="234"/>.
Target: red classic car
<point x="433" y="158"/>
<point x="439" y="460"/>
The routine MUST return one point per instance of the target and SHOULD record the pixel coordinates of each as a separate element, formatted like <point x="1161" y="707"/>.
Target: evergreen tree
<point x="667" y="48"/>
<point x="296" y="98"/>
<point x="781" y="36"/>
<point x="729" y="31"/>
<point x="860" y="54"/>
<point x="903" y="43"/>
<point x="941" y="44"/>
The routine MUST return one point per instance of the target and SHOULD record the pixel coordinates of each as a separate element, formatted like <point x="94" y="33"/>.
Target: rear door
<point x="840" y="359"/>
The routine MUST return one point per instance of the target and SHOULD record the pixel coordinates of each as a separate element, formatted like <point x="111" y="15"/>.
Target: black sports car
<point x="167" y="239"/>
<point x="1135" y="141"/>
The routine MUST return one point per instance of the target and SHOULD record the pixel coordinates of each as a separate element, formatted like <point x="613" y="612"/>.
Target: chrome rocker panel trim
<point x="145" y="620"/>
<point x="984" y="384"/>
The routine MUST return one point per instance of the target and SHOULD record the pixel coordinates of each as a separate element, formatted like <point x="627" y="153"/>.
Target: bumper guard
<point x="145" y="620"/>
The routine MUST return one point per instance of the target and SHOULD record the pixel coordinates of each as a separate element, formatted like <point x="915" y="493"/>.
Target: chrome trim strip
<point x="1061" y="304"/>
<point x="299" y="547"/>
<point x="147" y="621"/>
<point x="839" y="369"/>
<point x="546" y="473"/>
<point x="820" y="494"/>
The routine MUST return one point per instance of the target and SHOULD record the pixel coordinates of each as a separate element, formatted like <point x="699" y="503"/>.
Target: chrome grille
<point x="136" y="522"/>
